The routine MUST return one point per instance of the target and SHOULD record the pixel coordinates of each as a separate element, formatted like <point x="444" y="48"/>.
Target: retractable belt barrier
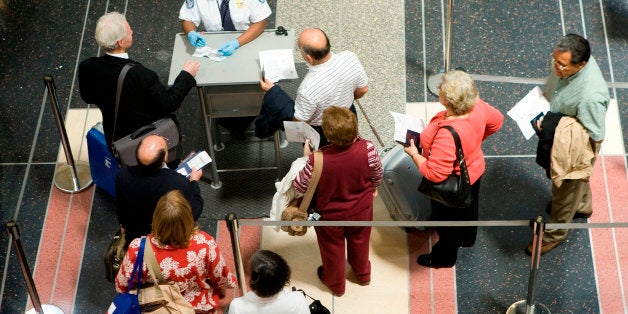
<point x="528" y="306"/>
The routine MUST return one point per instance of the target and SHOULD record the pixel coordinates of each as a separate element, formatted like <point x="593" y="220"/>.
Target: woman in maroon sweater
<point x="474" y="120"/>
<point x="352" y="170"/>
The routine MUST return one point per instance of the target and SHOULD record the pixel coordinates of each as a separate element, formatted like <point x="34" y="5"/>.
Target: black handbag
<point x="316" y="307"/>
<point x="114" y="255"/>
<point x="455" y="191"/>
<point x="124" y="148"/>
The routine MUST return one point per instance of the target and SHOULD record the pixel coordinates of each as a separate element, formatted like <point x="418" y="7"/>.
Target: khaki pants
<point x="573" y="196"/>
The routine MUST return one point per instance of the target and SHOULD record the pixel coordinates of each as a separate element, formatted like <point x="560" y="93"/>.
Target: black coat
<point x="546" y="140"/>
<point x="144" y="98"/>
<point x="137" y="194"/>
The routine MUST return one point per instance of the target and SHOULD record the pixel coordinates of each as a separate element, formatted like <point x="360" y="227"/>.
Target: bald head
<point x="314" y="43"/>
<point x="152" y="151"/>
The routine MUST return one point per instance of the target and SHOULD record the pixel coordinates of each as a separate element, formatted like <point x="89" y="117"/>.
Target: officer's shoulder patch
<point x="262" y="1"/>
<point x="189" y="4"/>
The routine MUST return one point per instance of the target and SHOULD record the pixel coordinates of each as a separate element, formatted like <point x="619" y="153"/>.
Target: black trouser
<point x="451" y="238"/>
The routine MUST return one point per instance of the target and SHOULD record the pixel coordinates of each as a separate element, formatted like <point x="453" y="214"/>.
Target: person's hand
<point x="196" y="175"/>
<point x="228" y="48"/>
<point x="192" y="67"/>
<point x="265" y="84"/>
<point x="375" y="193"/>
<point x="196" y="39"/>
<point x="411" y="150"/>
<point x="306" y="148"/>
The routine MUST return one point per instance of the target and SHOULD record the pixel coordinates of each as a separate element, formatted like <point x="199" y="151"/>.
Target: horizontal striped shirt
<point x="329" y="84"/>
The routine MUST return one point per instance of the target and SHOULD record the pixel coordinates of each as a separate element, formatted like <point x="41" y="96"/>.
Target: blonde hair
<point x="459" y="89"/>
<point x="109" y="30"/>
<point x="173" y="223"/>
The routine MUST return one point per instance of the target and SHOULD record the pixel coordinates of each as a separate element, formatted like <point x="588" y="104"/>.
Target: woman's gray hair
<point x="109" y="30"/>
<point x="459" y="89"/>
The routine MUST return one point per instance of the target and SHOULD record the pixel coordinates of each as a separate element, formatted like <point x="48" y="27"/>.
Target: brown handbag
<point x="161" y="296"/>
<point x="297" y="208"/>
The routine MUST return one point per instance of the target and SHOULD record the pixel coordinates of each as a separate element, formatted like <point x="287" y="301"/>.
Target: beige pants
<point x="573" y="196"/>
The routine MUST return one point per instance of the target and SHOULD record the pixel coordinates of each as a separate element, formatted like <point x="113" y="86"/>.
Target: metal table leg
<point x="216" y="183"/>
<point x="277" y="142"/>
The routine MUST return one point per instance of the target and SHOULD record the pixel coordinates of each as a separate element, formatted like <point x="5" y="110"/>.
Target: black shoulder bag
<point x="455" y="191"/>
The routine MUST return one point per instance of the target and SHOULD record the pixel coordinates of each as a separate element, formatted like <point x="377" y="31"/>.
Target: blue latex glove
<point x="196" y="39"/>
<point x="228" y="48"/>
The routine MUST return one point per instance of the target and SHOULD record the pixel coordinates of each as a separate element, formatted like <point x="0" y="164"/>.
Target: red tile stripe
<point x="431" y="290"/>
<point x="609" y="246"/>
<point x="57" y="268"/>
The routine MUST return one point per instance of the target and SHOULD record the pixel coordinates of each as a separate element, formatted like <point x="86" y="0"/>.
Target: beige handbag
<point x="161" y="296"/>
<point x="297" y="209"/>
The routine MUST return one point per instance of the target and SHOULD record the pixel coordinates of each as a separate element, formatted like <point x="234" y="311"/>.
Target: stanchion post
<point x="67" y="182"/>
<point x="434" y="80"/>
<point x="529" y="305"/>
<point x="232" y="224"/>
<point x="14" y="233"/>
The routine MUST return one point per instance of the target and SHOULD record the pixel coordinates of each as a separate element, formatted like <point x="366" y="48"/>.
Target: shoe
<point x="364" y="283"/>
<point x="319" y="272"/>
<point x="428" y="260"/>
<point x="582" y="215"/>
<point x="545" y="247"/>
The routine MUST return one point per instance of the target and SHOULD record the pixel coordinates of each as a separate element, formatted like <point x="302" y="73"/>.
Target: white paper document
<point x="194" y="160"/>
<point x="299" y="131"/>
<point x="277" y="64"/>
<point x="405" y="123"/>
<point x="527" y="109"/>
<point x="208" y="52"/>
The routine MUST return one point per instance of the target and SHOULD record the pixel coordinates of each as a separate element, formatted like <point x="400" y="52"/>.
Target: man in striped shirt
<point x="332" y="80"/>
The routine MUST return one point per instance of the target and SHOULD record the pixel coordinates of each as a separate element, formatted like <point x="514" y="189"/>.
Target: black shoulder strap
<point x="464" y="173"/>
<point x="121" y="77"/>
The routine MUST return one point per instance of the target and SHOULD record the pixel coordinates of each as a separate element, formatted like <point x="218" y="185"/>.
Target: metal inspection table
<point x="229" y="88"/>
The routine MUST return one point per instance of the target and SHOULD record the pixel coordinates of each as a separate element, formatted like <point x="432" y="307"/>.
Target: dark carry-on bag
<point x="398" y="190"/>
<point x="124" y="148"/>
<point x="102" y="165"/>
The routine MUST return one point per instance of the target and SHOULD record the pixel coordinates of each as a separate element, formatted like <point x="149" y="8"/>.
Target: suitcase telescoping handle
<point x="381" y="143"/>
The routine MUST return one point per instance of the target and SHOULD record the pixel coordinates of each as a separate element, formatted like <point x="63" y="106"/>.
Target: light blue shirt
<point x="583" y="95"/>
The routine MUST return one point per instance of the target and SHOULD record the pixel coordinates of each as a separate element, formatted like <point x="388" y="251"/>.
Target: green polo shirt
<point x="583" y="95"/>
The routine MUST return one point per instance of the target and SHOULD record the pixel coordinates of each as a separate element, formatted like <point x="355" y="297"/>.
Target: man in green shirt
<point x="575" y="87"/>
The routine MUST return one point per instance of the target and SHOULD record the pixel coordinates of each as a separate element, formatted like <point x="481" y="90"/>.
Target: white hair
<point x="109" y="30"/>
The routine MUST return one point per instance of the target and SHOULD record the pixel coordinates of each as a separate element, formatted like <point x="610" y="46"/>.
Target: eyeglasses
<point x="558" y="64"/>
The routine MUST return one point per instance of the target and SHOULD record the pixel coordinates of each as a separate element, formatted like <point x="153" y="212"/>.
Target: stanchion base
<point x="433" y="81"/>
<point x="47" y="309"/>
<point x="520" y="307"/>
<point x="216" y="185"/>
<point x="219" y="147"/>
<point x="64" y="181"/>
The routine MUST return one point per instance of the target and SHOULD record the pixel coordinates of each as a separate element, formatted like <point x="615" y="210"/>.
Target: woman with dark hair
<point x="186" y="255"/>
<point x="474" y="120"/>
<point x="352" y="171"/>
<point x="270" y="275"/>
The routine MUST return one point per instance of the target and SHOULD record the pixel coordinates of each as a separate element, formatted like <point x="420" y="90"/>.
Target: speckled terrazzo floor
<point x="400" y="44"/>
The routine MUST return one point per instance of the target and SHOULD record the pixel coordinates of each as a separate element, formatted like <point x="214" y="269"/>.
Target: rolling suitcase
<point x="399" y="187"/>
<point x="102" y="165"/>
